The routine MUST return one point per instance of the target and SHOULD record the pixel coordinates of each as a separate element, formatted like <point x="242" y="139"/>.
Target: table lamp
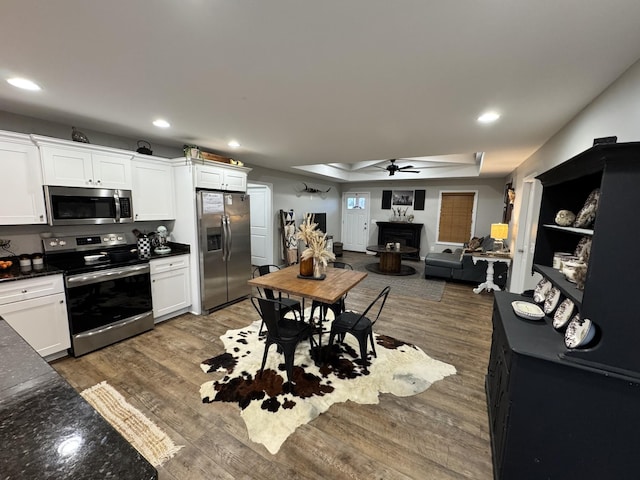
<point x="499" y="232"/>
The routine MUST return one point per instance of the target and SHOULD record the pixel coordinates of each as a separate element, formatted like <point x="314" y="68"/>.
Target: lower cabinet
<point x="35" y="308"/>
<point x="550" y="417"/>
<point x="170" y="286"/>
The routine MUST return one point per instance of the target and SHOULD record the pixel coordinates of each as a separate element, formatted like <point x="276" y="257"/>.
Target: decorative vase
<point x="306" y="267"/>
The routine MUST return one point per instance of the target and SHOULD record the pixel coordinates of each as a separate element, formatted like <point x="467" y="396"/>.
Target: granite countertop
<point x="176" y="249"/>
<point x="47" y="430"/>
<point x="15" y="272"/>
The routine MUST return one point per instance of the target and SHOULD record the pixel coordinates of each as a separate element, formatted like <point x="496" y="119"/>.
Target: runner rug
<point x="145" y="436"/>
<point x="272" y="410"/>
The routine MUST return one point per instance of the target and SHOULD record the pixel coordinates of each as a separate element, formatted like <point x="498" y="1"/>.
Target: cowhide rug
<point x="272" y="410"/>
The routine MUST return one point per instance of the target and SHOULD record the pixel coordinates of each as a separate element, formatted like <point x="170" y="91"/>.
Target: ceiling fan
<point x="393" y="168"/>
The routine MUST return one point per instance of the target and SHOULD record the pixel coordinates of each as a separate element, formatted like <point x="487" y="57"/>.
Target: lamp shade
<point x="499" y="231"/>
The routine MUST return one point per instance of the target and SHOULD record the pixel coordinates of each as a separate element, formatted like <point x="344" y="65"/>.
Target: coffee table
<point x="391" y="260"/>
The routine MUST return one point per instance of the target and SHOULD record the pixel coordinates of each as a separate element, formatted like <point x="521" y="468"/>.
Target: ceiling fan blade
<point x="410" y="171"/>
<point x="405" y="167"/>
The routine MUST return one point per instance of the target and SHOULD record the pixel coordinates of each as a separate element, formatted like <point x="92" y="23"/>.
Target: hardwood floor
<point x="441" y="433"/>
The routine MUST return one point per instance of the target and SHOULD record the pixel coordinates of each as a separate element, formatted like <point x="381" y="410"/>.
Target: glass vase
<point x="318" y="269"/>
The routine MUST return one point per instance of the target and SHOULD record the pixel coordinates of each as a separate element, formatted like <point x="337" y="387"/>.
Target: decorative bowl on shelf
<point x="527" y="310"/>
<point x="541" y="290"/>
<point x="552" y="299"/>
<point x="563" y="314"/>
<point x="579" y="332"/>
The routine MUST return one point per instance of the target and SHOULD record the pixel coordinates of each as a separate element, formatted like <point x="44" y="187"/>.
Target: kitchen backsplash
<point x="27" y="238"/>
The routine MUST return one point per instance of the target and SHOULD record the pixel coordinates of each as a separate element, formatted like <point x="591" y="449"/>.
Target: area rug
<point x="410" y="285"/>
<point x="272" y="410"/>
<point x="145" y="436"/>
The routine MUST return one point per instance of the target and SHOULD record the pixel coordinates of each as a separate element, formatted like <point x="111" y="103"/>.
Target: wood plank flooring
<point x="439" y="434"/>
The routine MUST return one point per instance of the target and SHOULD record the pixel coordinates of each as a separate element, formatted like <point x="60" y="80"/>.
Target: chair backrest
<point x="378" y="303"/>
<point x="269" y="310"/>
<point x="342" y="265"/>
<point x="264" y="270"/>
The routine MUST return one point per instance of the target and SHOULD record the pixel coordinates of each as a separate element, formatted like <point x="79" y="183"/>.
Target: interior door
<point x="355" y="221"/>
<point x="521" y="277"/>
<point x="261" y="224"/>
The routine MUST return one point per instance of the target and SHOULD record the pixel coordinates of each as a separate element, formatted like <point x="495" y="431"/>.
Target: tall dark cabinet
<point x="561" y="413"/>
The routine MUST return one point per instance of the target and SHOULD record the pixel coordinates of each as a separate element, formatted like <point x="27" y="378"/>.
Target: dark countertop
<point x="42" y="419"/>
<point x="176" y="249"/>
<point x="15" y="272"/>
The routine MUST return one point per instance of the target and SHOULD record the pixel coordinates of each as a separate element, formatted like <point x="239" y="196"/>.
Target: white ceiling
<point x="335" y="87"/>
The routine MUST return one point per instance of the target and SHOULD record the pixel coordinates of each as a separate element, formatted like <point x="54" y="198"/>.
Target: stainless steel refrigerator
<point x="224" y="233"/>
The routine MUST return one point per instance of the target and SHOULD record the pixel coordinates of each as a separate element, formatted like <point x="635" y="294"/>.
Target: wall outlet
<point x="433" y="248"/>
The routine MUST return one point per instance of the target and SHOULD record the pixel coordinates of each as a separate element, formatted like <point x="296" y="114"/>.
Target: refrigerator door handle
<point x="229" y="237"/>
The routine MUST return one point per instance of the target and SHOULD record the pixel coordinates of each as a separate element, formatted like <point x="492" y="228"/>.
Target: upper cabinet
<point x="221" y="177"/>
<point x="81" y="165"/>
<point x="610" y="287"/>
<point x="21" y="195"/>
<point x="153" y="189"/>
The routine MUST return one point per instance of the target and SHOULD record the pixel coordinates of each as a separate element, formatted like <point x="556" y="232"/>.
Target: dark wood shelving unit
<point x="573" y="413"/>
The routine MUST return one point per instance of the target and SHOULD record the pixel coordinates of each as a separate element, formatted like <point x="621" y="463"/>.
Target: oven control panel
<point x="83" y="242"/>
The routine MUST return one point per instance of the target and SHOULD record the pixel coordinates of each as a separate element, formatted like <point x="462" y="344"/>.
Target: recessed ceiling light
<point x="488" y="117"/>
<point x="233" y="144"/>
<point x="23" y="83"/>
<point x="161" y="123"/>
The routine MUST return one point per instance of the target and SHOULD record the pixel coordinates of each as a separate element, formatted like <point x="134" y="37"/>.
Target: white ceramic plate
<point x="541" y="290"/>
<point x="563" y="314"/>
<point x="579" y="332"/>
<point x="550" y="303"/>
<point x="527" y="310"/>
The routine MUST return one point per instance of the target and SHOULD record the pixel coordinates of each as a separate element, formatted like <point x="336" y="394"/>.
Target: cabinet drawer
<point x="30" y="288"/>
<point x="168" y="264"/>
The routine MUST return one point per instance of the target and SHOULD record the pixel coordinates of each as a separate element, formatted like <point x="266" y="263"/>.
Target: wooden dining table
<point x="337" y="282"/>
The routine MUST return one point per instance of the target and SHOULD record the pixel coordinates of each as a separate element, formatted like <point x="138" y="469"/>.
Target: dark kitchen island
<point x="47" y="430"/>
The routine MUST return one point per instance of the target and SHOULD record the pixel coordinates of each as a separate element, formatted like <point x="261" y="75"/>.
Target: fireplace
<point x="401" y="232"/>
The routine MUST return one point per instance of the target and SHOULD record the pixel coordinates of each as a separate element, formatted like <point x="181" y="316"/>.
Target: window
<point x="356" y="202"/>
<point x="457" y="212"/>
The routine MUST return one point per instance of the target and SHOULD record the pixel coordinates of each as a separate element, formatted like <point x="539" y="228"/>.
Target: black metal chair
<point x="287" y="303"/>
<point x="359" y="325"/>
<point x="338" y="307"/>
<point x="286" y="333"/>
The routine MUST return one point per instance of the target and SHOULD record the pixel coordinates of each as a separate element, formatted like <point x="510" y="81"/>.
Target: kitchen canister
<point x="144" y="247"/>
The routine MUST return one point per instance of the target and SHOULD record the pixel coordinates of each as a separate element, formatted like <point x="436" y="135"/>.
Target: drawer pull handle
<point x="25" y="291"/>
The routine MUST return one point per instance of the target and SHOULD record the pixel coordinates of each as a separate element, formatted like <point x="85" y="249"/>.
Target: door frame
<point x="521" y="277"/>
<point x="268" y="187"/>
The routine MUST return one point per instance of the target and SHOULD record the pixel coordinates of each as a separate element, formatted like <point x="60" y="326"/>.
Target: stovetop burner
<point x="87" y="253"/>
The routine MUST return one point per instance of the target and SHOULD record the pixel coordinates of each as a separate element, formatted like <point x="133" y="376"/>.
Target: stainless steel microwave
<point x="88" y="206"/>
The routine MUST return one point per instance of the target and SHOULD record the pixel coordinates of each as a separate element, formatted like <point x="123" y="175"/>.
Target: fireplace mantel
<point x="404" y="232"/>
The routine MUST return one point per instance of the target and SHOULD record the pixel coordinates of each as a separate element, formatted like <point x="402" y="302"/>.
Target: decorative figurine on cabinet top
<point x="78" y="136"/>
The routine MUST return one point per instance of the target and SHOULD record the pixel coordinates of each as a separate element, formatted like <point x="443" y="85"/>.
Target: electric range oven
<point x="108" y="289"/>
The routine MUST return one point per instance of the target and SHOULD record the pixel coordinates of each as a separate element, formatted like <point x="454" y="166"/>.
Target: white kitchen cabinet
<point x="153" y="190"/>
<point x="69" y="165"/>
<point x="35" y="308"/>
<point x="170" y="286"/>
<point x="221" y="177"/>
<point x="21" y="194"/>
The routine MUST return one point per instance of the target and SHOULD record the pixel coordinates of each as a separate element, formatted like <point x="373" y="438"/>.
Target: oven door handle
<point x="119" y="324"/>
<point x="105" y="275"/>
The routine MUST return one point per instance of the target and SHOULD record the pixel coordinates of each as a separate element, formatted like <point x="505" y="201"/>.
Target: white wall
<point x="489" y="209"/>
<point x="285" y="197"/>
<point x="616" y="111"/>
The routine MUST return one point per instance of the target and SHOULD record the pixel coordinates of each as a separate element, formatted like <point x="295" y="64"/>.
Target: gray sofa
<point x="460" y="266"/>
